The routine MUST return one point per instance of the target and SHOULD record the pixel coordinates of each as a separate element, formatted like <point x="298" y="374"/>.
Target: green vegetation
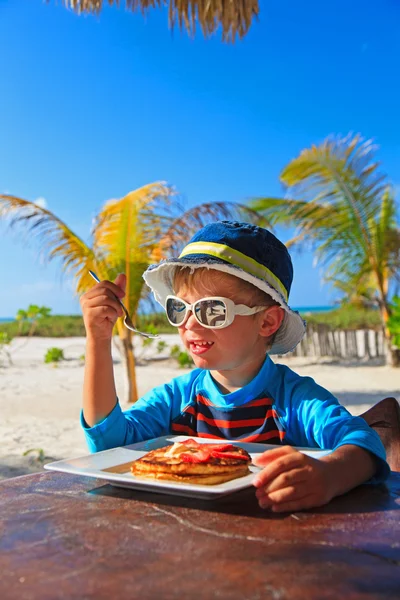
<point x="72" y="326"/>
<point x="157" y="320"/>
<point x="346" y="317"/>
<point x="394" y="322"/>
<point x="175" y="351"/>
<point x="41" y="456"/>
<point x="31" y="317"/>
<point x="161" y="345"/>
<point x="5" y="340"/>
<point x="53" y="326"/>
<point x="184" y="359"/>
<point x="54" y="355"/>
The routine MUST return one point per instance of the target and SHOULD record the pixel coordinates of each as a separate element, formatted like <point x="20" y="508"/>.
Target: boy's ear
<point x="271" y="320"/>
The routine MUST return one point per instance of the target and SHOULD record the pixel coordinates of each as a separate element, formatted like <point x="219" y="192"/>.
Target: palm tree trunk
<point x="128" y="356"/>
<point x="395" y="357"/>
<point x="131" y="368"/>
<point x="32" y="328"/>
<point x="392" y="353"/>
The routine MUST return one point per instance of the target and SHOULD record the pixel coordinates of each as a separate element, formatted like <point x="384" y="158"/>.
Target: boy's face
<point x="234" y="347"/>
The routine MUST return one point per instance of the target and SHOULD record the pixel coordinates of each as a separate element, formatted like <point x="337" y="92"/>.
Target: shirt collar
<point x="245" y="394"/>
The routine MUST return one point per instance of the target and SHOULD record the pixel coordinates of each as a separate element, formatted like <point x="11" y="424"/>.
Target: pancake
<point x="197" y="479"/>
<point x="191" y="462"/>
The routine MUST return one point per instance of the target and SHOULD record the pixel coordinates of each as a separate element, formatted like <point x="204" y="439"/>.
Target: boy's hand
<point x="291" y="480"/>
<point x="101" y="308"/>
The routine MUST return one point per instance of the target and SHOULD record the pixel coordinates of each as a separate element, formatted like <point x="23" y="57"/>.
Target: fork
<point x="127" y="320"/>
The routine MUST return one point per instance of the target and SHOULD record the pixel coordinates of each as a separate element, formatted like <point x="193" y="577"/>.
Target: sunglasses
<point x="213" y="313"/>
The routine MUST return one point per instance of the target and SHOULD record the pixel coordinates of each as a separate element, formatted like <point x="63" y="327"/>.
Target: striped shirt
<point x="255" y="421"/>
<point x="276" y="407"/>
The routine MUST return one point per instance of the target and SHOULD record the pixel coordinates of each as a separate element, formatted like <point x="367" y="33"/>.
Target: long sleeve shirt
<point x="277" y="407"/>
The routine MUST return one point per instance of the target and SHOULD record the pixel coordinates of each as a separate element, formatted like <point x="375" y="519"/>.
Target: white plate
<point x="114" y="466"/>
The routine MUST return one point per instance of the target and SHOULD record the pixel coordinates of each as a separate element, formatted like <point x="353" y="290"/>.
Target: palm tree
<point x="346" y="211"/>
<point x="234" y="16"/>
<point x="32" y="315"/>
<point x="129" y="234"/>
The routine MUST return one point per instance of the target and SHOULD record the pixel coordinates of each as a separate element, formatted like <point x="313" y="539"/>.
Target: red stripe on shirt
<point x="210" y="435"/>
<point x="204" y="400"/>
<point x="258" y="402"/>
<point x="261" y="437"/>
<point x="242" y="423"/>
<point x="183" y="428"/>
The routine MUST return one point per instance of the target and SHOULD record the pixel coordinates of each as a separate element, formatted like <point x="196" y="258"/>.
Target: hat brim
<point x="160" y="279"/>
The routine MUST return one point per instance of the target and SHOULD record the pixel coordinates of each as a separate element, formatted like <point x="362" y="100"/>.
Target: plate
<point x="114" y="467"/>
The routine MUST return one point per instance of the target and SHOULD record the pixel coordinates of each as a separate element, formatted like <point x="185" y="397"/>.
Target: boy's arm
<point x="149" y="417"/>
<point x="104" y="424"/>
<point x="101" y="309"/>
<point x="99" y="393"/>
<point x="314" y="418"/>
<point x="349" y="466"/>
<point x="291" y="480"/>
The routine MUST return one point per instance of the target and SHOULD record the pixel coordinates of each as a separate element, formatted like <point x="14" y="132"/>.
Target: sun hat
<point x="246" y="251"/>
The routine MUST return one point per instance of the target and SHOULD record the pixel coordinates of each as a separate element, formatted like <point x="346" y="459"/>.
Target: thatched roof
<point x="234" y="16"/>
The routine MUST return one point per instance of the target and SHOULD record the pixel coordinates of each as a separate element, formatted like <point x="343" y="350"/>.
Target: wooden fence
<point x="320" y="340"/>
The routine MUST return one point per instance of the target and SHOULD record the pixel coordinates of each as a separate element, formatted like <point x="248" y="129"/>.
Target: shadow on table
<point x="364" y="499"/>
<point x="15" y="466"/>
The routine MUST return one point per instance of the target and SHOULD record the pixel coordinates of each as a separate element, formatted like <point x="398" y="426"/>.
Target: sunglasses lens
<point x="176" y="311"/>
<point x="211" y="312"/>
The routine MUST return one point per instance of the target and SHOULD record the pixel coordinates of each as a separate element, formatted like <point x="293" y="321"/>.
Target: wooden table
<point x="73" y="537"/>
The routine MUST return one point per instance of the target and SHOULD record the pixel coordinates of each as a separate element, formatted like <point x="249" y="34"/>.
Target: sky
<point x="92" y="107"/>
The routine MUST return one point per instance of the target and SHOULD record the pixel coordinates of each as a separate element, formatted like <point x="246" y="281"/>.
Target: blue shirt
<point x="277" y="407"/>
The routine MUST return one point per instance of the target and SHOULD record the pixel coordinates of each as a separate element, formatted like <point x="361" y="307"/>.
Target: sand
<point x="40" y="403"/>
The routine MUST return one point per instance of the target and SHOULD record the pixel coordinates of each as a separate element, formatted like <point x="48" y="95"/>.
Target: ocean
<point x="313" y="309"/>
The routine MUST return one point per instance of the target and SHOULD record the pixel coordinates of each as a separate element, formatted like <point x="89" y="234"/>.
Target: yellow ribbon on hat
<point x="238" y="259"/>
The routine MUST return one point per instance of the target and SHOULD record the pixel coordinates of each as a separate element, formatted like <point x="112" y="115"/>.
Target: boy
<point x="227" y="294"/>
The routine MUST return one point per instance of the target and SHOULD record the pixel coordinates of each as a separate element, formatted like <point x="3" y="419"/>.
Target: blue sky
<point x="92" y="107"/>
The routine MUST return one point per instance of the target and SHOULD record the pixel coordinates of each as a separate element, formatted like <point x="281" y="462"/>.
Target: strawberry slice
<point x="191" y="443"/>
<point x="218" y="454"/>
<point x="219" y="447"/>
<point x="201" y="456"/>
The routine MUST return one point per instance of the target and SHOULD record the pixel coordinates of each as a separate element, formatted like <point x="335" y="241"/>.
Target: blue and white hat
<point x="245" y="251"/>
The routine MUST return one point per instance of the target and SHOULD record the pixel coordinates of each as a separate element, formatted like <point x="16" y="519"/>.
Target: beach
<point x="40" y="403"/>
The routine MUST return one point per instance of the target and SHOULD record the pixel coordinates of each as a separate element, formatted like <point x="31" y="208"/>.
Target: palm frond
<point x="341" y="172"/>
<point x="340" y="204"/>
<point x="234" y="16"/>
<point x="385" y="247"/>
<point x="311" y="219"/>
<point x="340" y="192"/>
<point x="182" y="228"/>
<point x="127" y="232"/>
<point x="55" y="239"/>
<point x="386" y="235"/>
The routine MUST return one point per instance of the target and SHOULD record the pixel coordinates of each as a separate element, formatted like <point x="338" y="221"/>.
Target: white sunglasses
<point x="215" y="312"/>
